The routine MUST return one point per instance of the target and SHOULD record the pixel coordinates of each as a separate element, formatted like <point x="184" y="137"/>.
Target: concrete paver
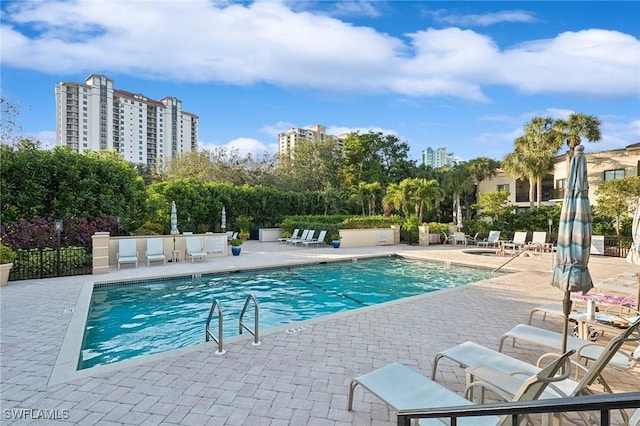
<point x="291" y="378"/>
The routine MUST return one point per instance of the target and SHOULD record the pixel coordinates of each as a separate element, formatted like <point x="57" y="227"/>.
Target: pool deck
<point x="297" y="376"/>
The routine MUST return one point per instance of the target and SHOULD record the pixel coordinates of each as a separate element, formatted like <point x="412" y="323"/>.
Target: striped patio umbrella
<point x="571" y="272"/>
<point x="633" y="257"/>
<point x="223" y="219"/>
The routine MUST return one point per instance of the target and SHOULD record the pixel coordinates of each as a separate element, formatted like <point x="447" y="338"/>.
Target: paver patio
<point x="292" y="378"/>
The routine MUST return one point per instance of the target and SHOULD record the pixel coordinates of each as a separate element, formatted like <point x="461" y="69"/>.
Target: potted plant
<point x="335" y="240"/>
<point x="7" y="255"/>
<point x="235" y="246"/>
<point x="243" y="222"/>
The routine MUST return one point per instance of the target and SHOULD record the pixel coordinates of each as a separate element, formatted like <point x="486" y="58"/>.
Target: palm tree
<point x="394" y="199"/>
<point x="534" y="154"/>
<point x="482" y="168"/>
<point x="425" y="194"/>
<point x="576" y="127"/>
<point x="457" y="181"/>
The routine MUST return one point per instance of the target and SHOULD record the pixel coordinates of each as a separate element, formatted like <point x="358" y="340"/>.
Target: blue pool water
<point x="127" y="321"/>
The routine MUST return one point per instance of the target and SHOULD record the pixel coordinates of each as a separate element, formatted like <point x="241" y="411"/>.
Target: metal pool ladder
<point x="208" y="333"/>
<point x="256" y="309"/>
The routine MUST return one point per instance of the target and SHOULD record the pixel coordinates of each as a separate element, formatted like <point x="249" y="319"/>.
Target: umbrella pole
<point x="566" y="310"/>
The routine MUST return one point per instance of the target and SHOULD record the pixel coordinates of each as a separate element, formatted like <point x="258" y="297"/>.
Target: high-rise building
<point x="94" y="116"/>
<point x="287" y="140"/>
<point x="438" y="158"/>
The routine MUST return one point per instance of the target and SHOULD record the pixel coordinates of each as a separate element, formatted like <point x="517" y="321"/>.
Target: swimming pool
<point x="129" y="320"/>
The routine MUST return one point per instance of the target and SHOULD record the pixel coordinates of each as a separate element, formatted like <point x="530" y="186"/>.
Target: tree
<point x="576" y="127"/>
<point x="374" y="157"/>
<point x="457" y="181"/>
<point x="494" y="204"/>
<point x="534" y="154"/>
<point x="618" y="198"/>
<point x="10" y="129"/>
<point x="482" y="168"/>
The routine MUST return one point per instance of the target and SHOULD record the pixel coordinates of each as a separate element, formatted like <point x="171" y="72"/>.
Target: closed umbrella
<point x="459" y="217"/>
<point x="633" y="257"/>
<point x="571" y="272"/>
<point x="223" y="219"/>
<point x="174" y="219"/>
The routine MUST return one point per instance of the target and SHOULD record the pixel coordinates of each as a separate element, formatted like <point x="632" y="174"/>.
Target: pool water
<point x="127" y="321"/>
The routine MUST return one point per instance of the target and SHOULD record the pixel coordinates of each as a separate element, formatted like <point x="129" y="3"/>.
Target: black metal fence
<point x="51" y="262"/>
<point x="617" y="246"/>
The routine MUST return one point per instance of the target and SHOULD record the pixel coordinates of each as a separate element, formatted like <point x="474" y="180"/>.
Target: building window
<point x="503" y="187"/>
<point x="614" y="174"/>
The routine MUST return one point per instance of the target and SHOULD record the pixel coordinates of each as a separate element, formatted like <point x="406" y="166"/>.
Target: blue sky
<point x="462" y="75"/>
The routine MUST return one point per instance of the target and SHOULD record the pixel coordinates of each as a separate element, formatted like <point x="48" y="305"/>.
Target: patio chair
<point x="127" y="252"/>
<point x="619" y="285"/>
<point x="294" y="235"/>
<point x="539" y="242"/>
<point x="586" y="349"/>
<point x="473" y="240"/>
<point x="302" y="237"/>
<point x="194" y="249"/>
<point x="469" y="354"/>
<point x="403" y="388"/>
<point x="155" y="251"/>
<point x="492" y="240"/>
<point x="308" y="237"/>
<point x="519" y="241"/>
<point x="459" y="238"/>
<point x="316" y="241"/>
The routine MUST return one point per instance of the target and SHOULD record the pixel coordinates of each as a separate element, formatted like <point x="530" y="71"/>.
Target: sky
<point x="466" y="76"/>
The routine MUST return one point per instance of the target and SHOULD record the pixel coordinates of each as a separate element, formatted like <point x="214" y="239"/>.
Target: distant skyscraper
<point x="287" y="140"/>
<point x="437" y="158"/>
<point x="94" y="116"/>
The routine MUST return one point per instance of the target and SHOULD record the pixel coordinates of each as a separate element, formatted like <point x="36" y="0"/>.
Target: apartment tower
<point x="94" y="116"/>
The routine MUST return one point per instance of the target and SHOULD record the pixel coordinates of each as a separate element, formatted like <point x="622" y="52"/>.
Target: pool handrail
<point x="241" y="323"/>
<point x="207" y="329"/>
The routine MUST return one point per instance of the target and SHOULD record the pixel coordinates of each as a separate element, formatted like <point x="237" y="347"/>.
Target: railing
<point x="617" y="246"/>
<point x="256" y="311"/>
<point x="604" y="404"/>
<point x="49" y="262"/>
<point x="207" y="329"/>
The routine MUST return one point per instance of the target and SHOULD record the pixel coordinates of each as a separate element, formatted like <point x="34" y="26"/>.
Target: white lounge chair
<point x="302" y="237"/>
<point x="294" y="235"/>
<point x="539" y="242"/>
<point x="316" y="241"/>
<point x="127" y="252"/>
<point x="194" y="249"/>
<point x="308" y="237"/>
<point x="470" y="354"/>
<point x="585" y="349"/>
<point x="519" y="241"/>
<point x="155" y="251"/>
<point x="404" y="389"/>
<point x="459" y="238"/>
<point x="492" y="240"/>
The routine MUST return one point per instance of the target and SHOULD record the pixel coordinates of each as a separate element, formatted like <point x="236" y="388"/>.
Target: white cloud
<point x="244" y="146"/>
<point x="274" y="129"/>
<point x="267" y="41"/>
<point x="483" y="20"/>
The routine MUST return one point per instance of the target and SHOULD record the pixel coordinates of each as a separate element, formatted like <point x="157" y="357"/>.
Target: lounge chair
<point x="294" y="235"/>
<point x="447" y="238"/>
<point x="302" y="237"/>
<point x="474" y="239"/>
<point x="316" y="241"/>
<point x="586" y="349"/>
<point x="403" y="389"/>
<point x="127" y="252"/>
<point x="618" y="285"/>
<point x="539" y="242"/>
<point x="155" y="251"/>
<point x="194" y="249"/>
<point x="469" y="354"/>
<point x="492" y="240"/>
<point x="308" y="237"/>
<point x="519" y="241"/>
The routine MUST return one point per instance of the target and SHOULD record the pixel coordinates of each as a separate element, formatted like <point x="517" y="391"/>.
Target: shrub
<point x="235" y="242"/>
<point x="7" y="255"/>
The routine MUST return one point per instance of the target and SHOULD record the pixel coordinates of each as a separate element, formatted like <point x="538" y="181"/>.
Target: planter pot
<point x="235" y="250"/>
<point x="5" y="268"/>
<point x="335" y="243"/>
